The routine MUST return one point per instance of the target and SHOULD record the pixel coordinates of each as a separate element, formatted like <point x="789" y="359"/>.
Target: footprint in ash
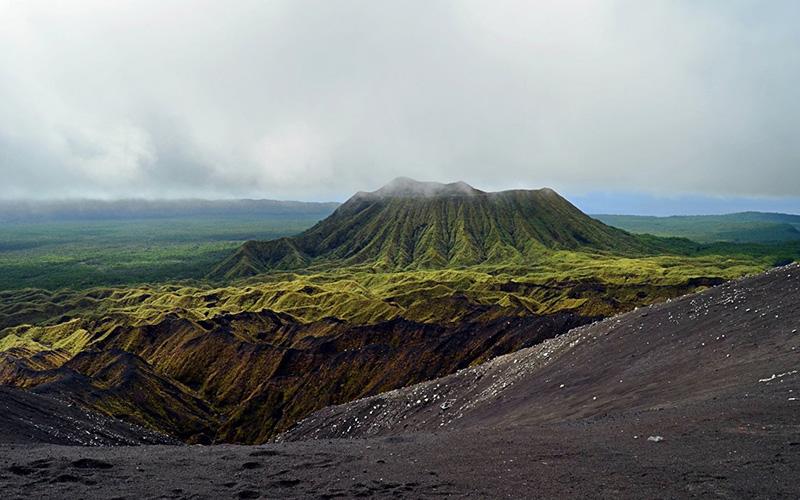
<point x="21" y="470"/>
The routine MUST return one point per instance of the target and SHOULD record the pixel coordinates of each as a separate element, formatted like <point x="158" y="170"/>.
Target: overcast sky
<point x="315" y="100"/>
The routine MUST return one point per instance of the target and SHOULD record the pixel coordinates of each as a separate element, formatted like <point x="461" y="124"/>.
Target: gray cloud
<point x="318" y="99"/>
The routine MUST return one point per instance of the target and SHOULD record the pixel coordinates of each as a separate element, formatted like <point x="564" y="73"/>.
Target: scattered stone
<point x="655" y="439"/>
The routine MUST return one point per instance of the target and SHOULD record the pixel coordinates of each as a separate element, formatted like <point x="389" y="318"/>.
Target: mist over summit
<point x="406" y="187"/>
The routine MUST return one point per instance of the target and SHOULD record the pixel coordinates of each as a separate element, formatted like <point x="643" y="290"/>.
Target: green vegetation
<point x="410" y="226"/>
<point x="424" y="252"/>
<point x="745" y="227"/>
<point x="83" y="254"/>
<point x="591" y="284"/>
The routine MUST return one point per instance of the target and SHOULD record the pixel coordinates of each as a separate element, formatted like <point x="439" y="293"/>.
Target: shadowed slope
<point x="414" y="225"/>
<point x="119" y="384"/>
<point x="244" y="377"/>
<point x="27" y="418"/>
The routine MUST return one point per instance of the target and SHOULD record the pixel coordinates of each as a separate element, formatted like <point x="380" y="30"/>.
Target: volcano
<point x="408" y="224"/>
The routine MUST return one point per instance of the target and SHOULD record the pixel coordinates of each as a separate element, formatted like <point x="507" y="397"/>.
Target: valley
<point x="90" y="243"/>
<point x="743" y="227"/>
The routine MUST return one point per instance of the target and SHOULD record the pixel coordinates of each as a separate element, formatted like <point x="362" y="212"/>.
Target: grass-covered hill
<point x="744" y="227"/>
<point x="418" y="225"/>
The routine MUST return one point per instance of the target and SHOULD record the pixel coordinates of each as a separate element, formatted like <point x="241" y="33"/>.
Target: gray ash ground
<point x="715" y="375"/>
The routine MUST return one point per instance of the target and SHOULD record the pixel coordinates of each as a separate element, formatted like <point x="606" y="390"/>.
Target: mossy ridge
<point x="587" y="283"/>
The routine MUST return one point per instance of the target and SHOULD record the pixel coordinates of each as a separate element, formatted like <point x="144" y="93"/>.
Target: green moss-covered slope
<point x="414" y="225"/>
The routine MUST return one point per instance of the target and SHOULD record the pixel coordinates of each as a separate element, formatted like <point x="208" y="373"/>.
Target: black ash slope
<point x="724" y="343"/>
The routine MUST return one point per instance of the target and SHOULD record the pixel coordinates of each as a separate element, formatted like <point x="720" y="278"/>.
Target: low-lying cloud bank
<point x="313" y="100"/>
